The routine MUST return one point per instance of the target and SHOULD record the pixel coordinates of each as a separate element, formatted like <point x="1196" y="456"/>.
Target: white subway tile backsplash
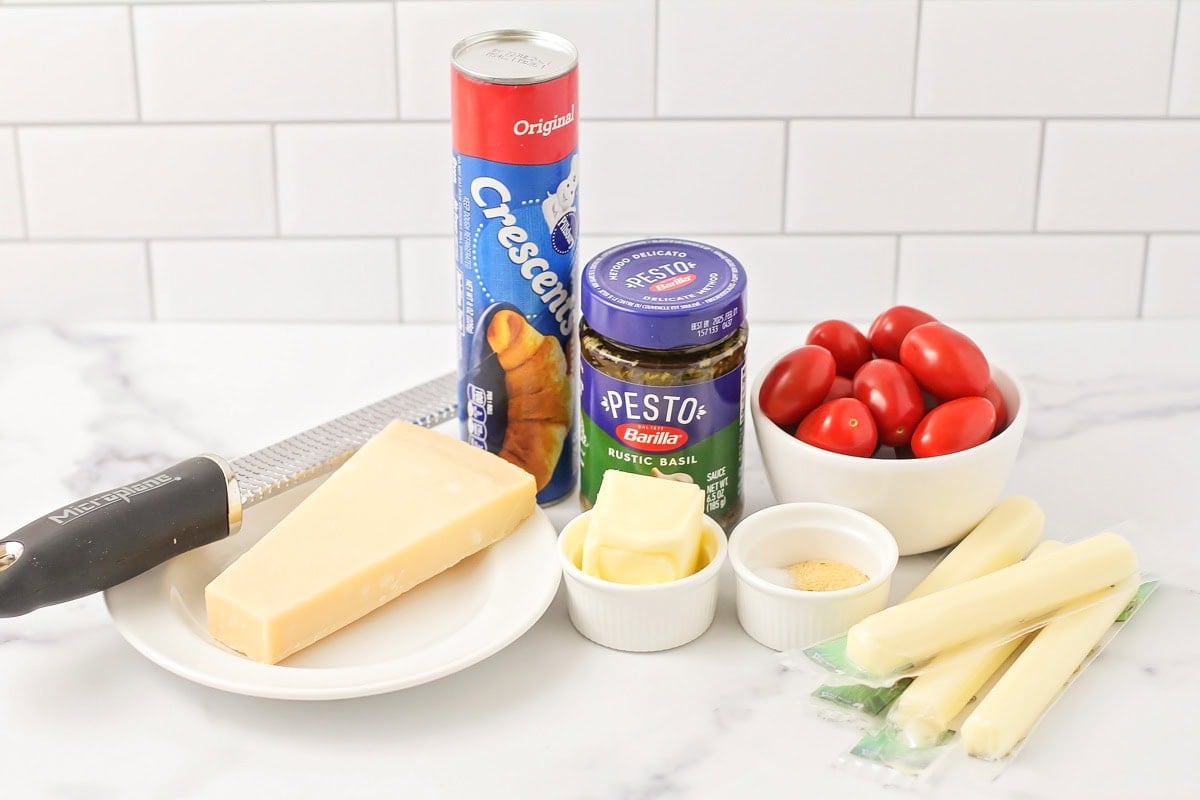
<point x="10" y="187"/>
<point x="721" y="177"/>
<point x="591" y="245"/>
<point x="1097" y="58"/>
<point x="147" y="181"/>
<point x="75" y="282"/>
<point x="283" y="280"/>
<point x="1172" y="277"/>
<point x="792" y="278"/>
<point x="615" y="38"/>
<point x="786" y="57"/>
<point x="1044" y="151"/>
<point x="1121" y="176"/>
<point x="266" y="62"/>
<point x="789" y="276"/>
<point x="1185" y="83"/>
<point x="427" y="274"/>
<point x="897" y="175"/>
<point x="427" y="279"/>
<point x="60" y="64"/>
<point x="364" y="179"/>
<point x="1016" y="277"/>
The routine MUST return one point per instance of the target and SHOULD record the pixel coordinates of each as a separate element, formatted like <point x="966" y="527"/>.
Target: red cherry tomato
<point x="849" y="347"/>
<point x="895" y="400"/>
<point x="992" y="393"/>
<point x="945" y="362"/>
<point x="797" y="384"/>
<point x="843" y="426"/>
<point x="842" y="387"/>
<point x="889" y="329"/>
<point x="953" y="426"/>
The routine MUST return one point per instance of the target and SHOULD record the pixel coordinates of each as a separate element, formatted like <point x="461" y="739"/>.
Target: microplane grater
<point x="97" y="542"/>
<point x="280" y="466"/>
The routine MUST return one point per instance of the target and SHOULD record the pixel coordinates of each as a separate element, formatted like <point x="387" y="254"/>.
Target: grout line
<point x="19" y="173"/>
<point x="317" y="237"/>
<point x="912" y="107"/>
<point x="172" y="3"/>
<point x="365" y="121"/>
<point x="896" y="273"/>
<point x="657" y="53"/>
<point x="1007" y="232"/>
<point x="1037" y="180"/>
<point x="203" y="238"/>
<point x="150" y="280"/>
<point x="399" y="281"/>
<point x="1174" y="55"/>
<point x="396" y="55"/>
<point x="787" y="156"/>
<point x="208" y="122"/>
<point x="275" y="183"/>
<point x="1141" y="312"/>
<point x="133" y="54"/>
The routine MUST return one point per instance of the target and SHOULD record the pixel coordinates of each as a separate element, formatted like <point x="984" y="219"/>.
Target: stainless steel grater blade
<point x="318" y="450"/>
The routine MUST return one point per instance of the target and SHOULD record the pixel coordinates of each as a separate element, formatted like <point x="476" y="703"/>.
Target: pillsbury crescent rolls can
<point x="514" y="118"/>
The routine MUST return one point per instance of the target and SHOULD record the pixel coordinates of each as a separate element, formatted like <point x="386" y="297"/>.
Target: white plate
<point x="446" y="624"/>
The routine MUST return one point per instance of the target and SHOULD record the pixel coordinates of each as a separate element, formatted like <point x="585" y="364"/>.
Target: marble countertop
<point x="1112" y="437"/>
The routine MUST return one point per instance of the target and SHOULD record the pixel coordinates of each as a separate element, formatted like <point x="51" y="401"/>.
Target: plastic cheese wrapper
<point x="988" y="734"/>
<point x="924" y="712"/>
<point x="1001" y="538"/>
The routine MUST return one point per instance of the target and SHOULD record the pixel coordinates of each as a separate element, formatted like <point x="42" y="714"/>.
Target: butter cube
<point x="643" y="529"/>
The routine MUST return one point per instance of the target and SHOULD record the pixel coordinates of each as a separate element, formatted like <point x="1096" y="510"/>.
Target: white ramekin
<point x="641" y="618"/>
<point x="783" y="618"/>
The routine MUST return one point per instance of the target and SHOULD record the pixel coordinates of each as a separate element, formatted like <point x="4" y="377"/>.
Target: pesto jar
<point x="662" y="369"/>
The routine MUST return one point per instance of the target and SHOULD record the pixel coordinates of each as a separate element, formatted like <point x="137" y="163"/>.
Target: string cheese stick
<point x="913" y="632"/>
<point x="1008" y="712"/>
<point x="936" y="696"/>
<point x="1002" y="538"/>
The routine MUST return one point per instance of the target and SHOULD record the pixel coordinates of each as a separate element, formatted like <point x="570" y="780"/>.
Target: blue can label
<point x="517" y="231"/>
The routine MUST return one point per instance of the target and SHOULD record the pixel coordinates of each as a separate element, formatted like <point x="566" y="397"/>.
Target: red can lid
<point x="514" y="97"/>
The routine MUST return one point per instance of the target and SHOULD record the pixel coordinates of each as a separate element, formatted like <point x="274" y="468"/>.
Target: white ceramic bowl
<point x="641" y="618"/>
<point x="783" y="618"/>
<point x="927" y="503"/>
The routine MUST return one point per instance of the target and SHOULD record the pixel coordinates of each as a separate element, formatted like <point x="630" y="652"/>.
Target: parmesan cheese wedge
<point x="1011" y="708"/>
<point x="939" y="693"/>
<point x="913" y="632"/>
<point x="408" y="505"/>
<point x="1003" y="537"/>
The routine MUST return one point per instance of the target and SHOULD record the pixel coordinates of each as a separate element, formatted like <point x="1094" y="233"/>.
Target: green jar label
<point x="689" y="433"/>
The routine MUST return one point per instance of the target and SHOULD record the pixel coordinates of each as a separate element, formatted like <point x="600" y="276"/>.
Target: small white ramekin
<point x="783" y="618"/>
<point x="645" y="618"/>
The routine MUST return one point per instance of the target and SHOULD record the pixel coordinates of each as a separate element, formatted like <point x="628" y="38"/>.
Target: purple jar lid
<point x="660" y="294"/>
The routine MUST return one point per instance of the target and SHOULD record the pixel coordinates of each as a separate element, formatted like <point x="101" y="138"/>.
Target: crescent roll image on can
<point x="514" y="123"/>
